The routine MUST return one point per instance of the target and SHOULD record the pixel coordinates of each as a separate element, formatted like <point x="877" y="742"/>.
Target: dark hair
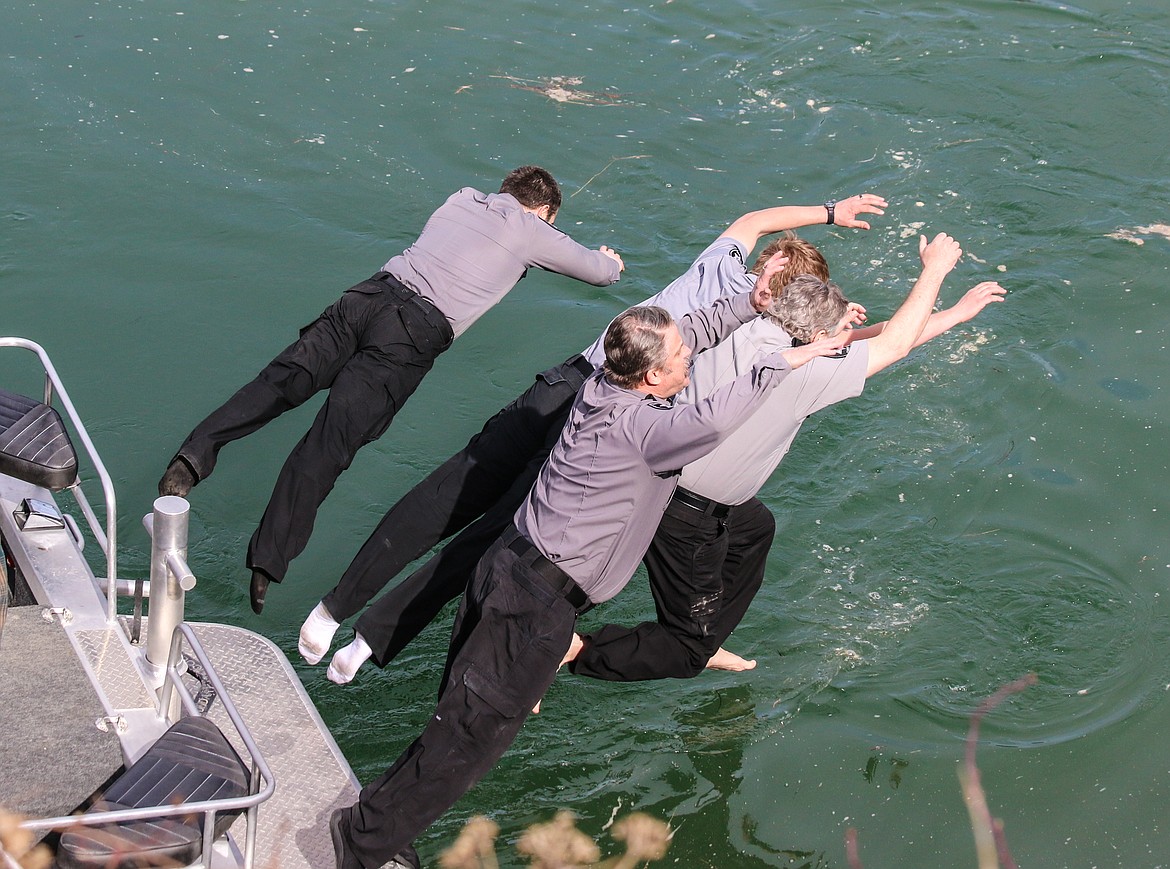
<point x="635" y="342"/>
<point x="533" y="187"/>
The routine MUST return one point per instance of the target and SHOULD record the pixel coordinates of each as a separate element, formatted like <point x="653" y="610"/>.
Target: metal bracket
<point x="61" y="612"/>
<point x="118" y="722"/>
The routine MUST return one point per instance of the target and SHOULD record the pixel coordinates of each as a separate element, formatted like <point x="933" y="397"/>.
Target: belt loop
<point x="559" y="581"/>
<point x="430" y="312"/>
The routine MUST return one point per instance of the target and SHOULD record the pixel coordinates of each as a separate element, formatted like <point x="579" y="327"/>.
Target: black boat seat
<point x="34" y="445"/>
<point x="191" y="762"/>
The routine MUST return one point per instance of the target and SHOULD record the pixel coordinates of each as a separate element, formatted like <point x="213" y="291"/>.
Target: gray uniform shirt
<point x="735" y="470"/>
<point x="476" y="246"/>
<point x="599" y="497"/>
<point x="717" y="272"/>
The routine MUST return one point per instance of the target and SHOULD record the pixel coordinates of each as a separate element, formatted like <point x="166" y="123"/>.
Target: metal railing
<point x="106" y="539"/>
<point x="170" y="579"/>
<point x="259" y="770"/>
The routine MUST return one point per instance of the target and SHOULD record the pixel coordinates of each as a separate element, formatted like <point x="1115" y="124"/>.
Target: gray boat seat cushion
<point x="191" y="762"/>
<point x="34" y="445"/>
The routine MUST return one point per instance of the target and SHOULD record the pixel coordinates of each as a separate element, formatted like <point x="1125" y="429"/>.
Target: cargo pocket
<point x="425" y="337"/>
<point x="487" y="687"/>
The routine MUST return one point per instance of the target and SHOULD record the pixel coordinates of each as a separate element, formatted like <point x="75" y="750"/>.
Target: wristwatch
<point x="830" y="207"/>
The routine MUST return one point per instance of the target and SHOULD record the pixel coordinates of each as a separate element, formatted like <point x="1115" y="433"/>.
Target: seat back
<point x="192" y="762"/>
<point x="34" y="445"/>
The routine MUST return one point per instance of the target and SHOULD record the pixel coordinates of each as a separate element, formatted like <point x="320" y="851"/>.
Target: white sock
<point x="347" y="660"/>
<point x="317" y="634"/>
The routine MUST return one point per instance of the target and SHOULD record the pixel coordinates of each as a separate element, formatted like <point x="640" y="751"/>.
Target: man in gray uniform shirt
<point x="707" y="559"/>
<point x="373" y="346"/>
<point x="577" y="539"/>
<point x="477" y="490"/>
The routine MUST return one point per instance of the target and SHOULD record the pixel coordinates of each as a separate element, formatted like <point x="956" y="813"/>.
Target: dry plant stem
<point x="990" y="843"/>
<point x="475" y="847"/>
<point x="646" y="840"/>
<point x="606" y="166"/>
<point x="17" y="848"/>
<point x="558" y="844"/>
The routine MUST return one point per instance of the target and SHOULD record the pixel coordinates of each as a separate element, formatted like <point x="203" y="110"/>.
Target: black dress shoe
<point x="407" y="858"/>
<point x="258" y="590"/>
<point x="339" y="830"/>
<point x="179" y="479"/>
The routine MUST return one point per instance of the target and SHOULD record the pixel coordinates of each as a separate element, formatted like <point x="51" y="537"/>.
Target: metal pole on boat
<point x="168" y="585"/>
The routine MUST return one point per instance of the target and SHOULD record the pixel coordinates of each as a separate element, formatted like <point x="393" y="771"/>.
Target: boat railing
<point x="167" y="636"/>
<point x="107" y="537"/>
<point x="262" y="783"/>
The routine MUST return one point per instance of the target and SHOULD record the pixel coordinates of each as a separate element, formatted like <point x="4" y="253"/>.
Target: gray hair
<point x="635" y="343"/>
<point x="806" y="306"/>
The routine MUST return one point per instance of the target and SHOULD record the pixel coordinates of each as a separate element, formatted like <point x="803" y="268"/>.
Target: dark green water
<point x="184" y="185"/>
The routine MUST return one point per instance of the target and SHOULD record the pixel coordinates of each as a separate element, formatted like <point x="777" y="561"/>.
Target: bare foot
<point x="575" y="647"/>
<point x="725" y="660"/>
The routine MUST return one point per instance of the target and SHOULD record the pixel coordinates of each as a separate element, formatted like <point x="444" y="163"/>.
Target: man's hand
<point x="798" y="356"/>
<point x="976" y="299"/>
<point x="845" y="214"/>
<point x="613" y="255"/>
<point x="941" y="254"/>
<point x="762" y="291"/>
<point x="854" y="316"/>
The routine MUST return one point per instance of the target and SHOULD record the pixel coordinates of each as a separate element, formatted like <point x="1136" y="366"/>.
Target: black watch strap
<point x="831" y="207"/>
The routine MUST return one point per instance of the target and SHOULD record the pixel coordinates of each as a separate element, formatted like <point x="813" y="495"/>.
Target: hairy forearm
<point x="754" y="225"/>
<point x="936" y="324"/>
<point x="905" y="329"/>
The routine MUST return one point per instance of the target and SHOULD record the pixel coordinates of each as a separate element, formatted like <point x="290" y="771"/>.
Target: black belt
<point x="403" y="293"/>
<point x="582" y="365"/>
<point x="557" y="579"/>
<point x="704" y="505"/>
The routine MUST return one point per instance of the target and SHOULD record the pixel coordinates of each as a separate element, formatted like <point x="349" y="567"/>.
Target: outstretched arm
<point x="967" y="308"/>
<point x="902" y="332"/>
<point x="974" y="300"/>
<point x="754" y="225"/>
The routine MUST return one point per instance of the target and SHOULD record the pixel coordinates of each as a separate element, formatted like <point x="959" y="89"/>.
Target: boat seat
<point x="191" y="762"/>
<point x="34" y="445"/>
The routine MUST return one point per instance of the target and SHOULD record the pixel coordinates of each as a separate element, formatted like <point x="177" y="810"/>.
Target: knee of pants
<point x="288" y="380"/>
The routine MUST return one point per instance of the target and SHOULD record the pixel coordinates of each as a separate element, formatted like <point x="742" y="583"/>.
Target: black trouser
<point x="510" y="634"/>
<point x="704" y="572"/>
<point x="478" y="490"/>
<point x="370" y="349"/>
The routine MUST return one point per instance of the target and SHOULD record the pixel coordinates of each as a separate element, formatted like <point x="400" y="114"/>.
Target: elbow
<point x="902" y="350"/>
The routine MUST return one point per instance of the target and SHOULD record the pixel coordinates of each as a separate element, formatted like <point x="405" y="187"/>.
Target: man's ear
<point x="653" y="377"/>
